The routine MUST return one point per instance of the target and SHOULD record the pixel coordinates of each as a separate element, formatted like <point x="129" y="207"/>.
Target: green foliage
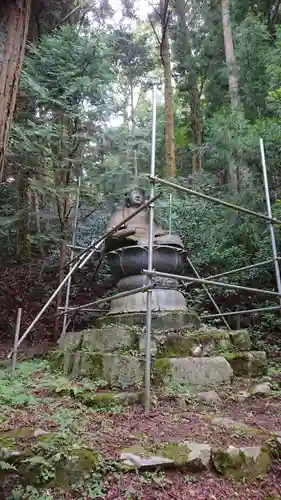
<point x="61" y="457"/>
<point x="85" y="106"/>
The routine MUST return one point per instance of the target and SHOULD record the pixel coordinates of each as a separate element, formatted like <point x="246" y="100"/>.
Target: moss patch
<point x="181" y="344"/>
<point x="177" y="345"/>
<point x="252" y="364"/>
<point x="46" y="459"/>
<point x="241" y="340"/>
<point x="239" y="464"/>
<point x="108" y="399"/>
<point x="162" y="371"/>
<point x="179" y="453"/>
<point x="89" y="364"/>
<point x="56" y="359"/>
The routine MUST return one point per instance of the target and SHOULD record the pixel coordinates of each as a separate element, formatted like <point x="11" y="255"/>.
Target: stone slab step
<point x="165" y="343"/>
<point x="124" y="371"/>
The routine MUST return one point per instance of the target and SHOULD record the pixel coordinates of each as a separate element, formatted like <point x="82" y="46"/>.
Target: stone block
<point x="209" y="397"/>
<point x="176" y="344"/>
<point x="247" y="364"/>
<point x="72" y="340"/>
<point x="137" y="457"/>
<point x="123" y="371"/>
<point x="108" y="399"/>
<point x="74" y="462"/>
<point x="248" y="463"/>
<point x="194" y="457"/>
<point x="213" y="340"/>
<point x="203" y="372"/>
<point x="106" y="339"/>
<point x="262" y="389"/>
<point x="120" y="371"/>
<point x="202" y="342"/>
<point x="241" y="340"/>
<point x="109" y="338"/>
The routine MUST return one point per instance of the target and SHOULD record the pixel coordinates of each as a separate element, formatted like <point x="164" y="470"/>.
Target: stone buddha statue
<point x="135" y="231"/>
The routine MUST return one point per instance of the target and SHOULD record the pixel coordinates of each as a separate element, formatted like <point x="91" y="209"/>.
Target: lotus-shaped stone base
<point x="162" y="300"/>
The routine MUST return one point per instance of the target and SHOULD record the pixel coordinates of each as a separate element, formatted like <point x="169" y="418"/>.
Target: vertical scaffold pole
<point x="16" y="340"/>
<point x="170" y="213"/>
<point x="64" y="326"/>
<point x="150" y="257"/>
<point x="269" y="213"/>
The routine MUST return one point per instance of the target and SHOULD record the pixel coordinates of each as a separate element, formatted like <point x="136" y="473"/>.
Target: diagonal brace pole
<point x="80" y="260"/>
<point x="208" y="293"/>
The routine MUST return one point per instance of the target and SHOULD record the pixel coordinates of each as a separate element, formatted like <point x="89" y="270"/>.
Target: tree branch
<point x="73" y="11"/>
<point x="154" y="30"/>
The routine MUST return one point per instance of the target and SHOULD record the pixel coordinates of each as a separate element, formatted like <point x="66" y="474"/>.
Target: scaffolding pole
<point x="212" y="283"/>
<point x="214" y="200"/>
<point x="271" y="228"/>
<point x="237" y="270"/>
<point x="79" y="260"/>
<point x="170" y="213"/>
<point x="108" y="299"/>
<point x="238" y="313"/>
<point x="208" y="293"/>
<point x="64" y="326"/>
<point x="95" y="244"/>
<point x="147" y="382"/>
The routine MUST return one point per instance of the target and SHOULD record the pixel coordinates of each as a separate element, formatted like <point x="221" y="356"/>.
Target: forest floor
<point x="44" y="401"/>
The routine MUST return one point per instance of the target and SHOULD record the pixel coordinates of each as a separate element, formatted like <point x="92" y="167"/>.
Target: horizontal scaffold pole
<point x="238" y="313"/>
<point x="120" y="295"/>
<point x="238" y="270"/>
<point x="214" y="200"/>
<point x="212" y="283"/>
<point x="79" y="259"/>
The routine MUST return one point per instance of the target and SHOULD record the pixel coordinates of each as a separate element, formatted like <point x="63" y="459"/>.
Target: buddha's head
<point x="135" y="197"/>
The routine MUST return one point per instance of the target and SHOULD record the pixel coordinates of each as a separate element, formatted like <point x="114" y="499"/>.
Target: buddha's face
<point x="136" y="197"/>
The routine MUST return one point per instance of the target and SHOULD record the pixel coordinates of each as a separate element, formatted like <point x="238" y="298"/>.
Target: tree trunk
<point x="196" y="128"/>
<point x="14" y="22"/>
<point x="231" y="62"/>
<point x="233" y="81"/>
<point x="169" y="115"/>
<point x="190" y="78"/>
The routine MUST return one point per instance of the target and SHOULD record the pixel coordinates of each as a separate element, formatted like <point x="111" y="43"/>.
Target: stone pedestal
<point x="191" y="355"/>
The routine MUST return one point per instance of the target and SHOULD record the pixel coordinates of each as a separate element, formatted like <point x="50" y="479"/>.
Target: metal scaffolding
<point x="208" y="281"/>
<point x="79" y="261"/>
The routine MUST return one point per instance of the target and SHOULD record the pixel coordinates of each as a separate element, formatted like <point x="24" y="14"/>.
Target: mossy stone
<point x="247" y="463"/>
<point x="178" y="345"/>
<point x="251" y="364"/>
<point x="108" y="399"/>
<point x="78" y="464"/>
<point x="239" y="362"/>
<point x="162" y="371"/>
<point x="92" y="364"/>
<point x="224" y="344"/>
<point x="258" y="364"/>
<point x="137" y="449"/>
<point x="241" y="340"/>
<point x="56" y="359"/>
<point x="177" y="452"/>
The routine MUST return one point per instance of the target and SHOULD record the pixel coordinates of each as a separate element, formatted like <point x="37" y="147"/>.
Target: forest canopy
<point x="83" y="109"/>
